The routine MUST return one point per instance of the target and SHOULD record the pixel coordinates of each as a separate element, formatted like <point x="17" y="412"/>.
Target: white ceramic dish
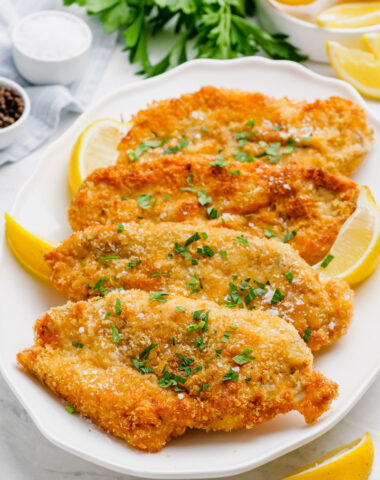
<point x="8" y="134"/>
<point x="38" y="70"/>
<point x="311" y="39"/>
<point x="41" y="207"/>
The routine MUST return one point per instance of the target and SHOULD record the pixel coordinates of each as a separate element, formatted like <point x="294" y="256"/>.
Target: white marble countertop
<point x="25" y="454"/>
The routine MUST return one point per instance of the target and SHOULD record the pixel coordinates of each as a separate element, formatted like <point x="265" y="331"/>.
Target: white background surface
<point x="26" y="455"/>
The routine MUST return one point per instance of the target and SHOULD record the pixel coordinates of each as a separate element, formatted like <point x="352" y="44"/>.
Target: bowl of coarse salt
<point x="51" y="46"/>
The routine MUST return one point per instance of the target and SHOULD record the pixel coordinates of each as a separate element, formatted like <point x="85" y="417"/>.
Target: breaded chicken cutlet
<point x="146" y="367"/>
<point x="304" y="206"/>
<point x="204" y="263"/>
<point x="331" y="134"/>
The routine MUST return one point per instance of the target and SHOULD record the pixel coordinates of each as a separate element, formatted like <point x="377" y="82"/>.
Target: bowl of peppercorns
<point x="14" y="110"/>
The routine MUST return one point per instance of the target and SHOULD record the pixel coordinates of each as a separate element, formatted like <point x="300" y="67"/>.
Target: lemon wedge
<point x="27" y="248"/>
<point x="349" y="462"/>
<point x="350" y="15"/>
<point x="95" y="148"/>
<point x="359" y="67"/>
<point x="356" y="251"/>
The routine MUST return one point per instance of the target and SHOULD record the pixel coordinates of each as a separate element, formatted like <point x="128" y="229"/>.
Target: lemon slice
<point x="27" y="248"/>
<point x="349" y="462"/>
<point x="356" y="251"/>
<point x="350" y="15"/>
<point x="372" y="43"/>
<point x="359" y="67"/>
<point x="95" y="148"/>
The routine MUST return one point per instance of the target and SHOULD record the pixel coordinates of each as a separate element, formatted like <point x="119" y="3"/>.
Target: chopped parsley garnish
<point x="241" y="135"/>
<point x="169" y="379"/>
<point x="289" y="276"/>
<point x="307" y="334"/>
<point x="233" y="327"/>
<point x="212" y="212"/>
<point x="145" y="353"/>
<point x="226" y="336"/>
<point x="174" y="341"/>
<point x="250" y="123"/>
<point x="180" y="309"/>
<point x="269" y="234"/>
<point x="244" y="357"/>
<point x="206" y="250"/>
<point x="182" y="144"/>
<point x="289" y="235"/>
<point x="231" y="375"/>
<point x="192" y="284"/>
<point x="185" y="365"/>
<point x="159" y="274"/>
<point x="233" y="299"/>
<point x="248" y="379"/>
<point x="77" y="345"/>
<point x="327" y="260"/>
<point x="273" y="149"/>
<point x="242" y="239"/>
<point x="107" y="315"/>
<point x="109" y="257"/>
<point x="204" y="235"/>
<point x="203" y="199"/>
<point x="243" y="157"/>
<point x="166" y="196"/>
<point x="189" y="179"/>
<point x="144" y="201"/>
<point x="118" y="306"/>
<point x="223" y="254"/>
<point x="194" y="237"/>
<point x="201" y="317"/>
<point x="158" y="296"/>
<point x="219" y="162"/>
<point x="124" y="197"/>
<point x="120" y="228"/>
<point x="98" y="285"/>
<point x="277" y="297"/>
<point x="140" y="366"/>
<point x="115" y="335"/>
<point x="143" y="147"/>
<point x="200" y="343"/>
<point x="289" y="146"/>
<point x="133" y="263"/>
<point x="69" y="408"/>
<point x="306" y="139"/>
<point x="234" y="172"/>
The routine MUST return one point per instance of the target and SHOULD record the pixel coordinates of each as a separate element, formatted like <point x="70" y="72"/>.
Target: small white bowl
<point x="309" y="38"/>
<point x="8" y="134"/>
<point x="39" y="70"/>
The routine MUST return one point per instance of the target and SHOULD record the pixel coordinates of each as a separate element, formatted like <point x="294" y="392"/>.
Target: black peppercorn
<point x="11" y="106"/>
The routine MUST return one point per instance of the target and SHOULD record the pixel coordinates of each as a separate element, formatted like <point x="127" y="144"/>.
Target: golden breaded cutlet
<point x="203" y="262"/>
<point x="331" y="134"/>
<point x="304" y="206"/>
<point x="147" y="367"/>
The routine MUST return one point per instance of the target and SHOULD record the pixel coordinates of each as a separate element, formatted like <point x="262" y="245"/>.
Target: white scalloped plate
<point x="41" y="207"/>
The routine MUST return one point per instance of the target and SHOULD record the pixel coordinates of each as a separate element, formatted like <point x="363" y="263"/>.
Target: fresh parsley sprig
<point x="211" y="28"/>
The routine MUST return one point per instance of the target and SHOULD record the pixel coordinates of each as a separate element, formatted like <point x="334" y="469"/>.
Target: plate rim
<point x="125" y="90"/>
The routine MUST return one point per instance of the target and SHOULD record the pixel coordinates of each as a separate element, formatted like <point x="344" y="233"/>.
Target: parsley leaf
<point x="243" y="240"/>
<point x="231" y="375"/>
<point x="115" y="334"/>
<point x="143" y="147"/>
<point x="307" y="334"/>
<point x="327" y="260"/>
<point x="244" y="357"/>
<point x="158" y="296"/>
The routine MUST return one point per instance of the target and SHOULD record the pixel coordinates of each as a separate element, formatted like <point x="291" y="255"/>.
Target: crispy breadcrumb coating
<point x="107" y="366"/>
<point x="203" y="263"/>
<point x="261" y="199"/>
<point x="331" y="134"/>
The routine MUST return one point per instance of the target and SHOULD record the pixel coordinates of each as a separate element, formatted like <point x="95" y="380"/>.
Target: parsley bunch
<point x="212" y="28"/>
